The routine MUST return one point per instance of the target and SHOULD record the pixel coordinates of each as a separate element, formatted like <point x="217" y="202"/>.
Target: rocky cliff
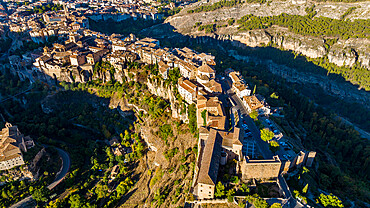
<point x="158" y="88"/>
<point x="342" y="53"/>
<point x="342" y="90"/>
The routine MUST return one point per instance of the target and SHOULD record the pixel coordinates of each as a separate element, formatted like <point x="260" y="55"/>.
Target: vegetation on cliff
<point x="11" y="85"/>
<point x="219" y="5"/>
<point x="305" y="25"/>
<point x="356" y="74"/>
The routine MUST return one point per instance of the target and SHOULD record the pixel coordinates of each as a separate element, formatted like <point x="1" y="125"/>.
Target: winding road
<point x="66" y="163"/>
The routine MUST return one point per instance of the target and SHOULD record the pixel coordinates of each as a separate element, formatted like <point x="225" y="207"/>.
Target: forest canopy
<point x="304" y="25"/>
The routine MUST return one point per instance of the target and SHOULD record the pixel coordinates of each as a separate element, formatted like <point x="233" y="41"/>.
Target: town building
<point x="216" y="148"/>
<point x="187" y="90"/>
<point x="12" y="143"/>
<point x="259" y="169"/>
<point x="252" y="103"/>
<point x="214" y="114"/>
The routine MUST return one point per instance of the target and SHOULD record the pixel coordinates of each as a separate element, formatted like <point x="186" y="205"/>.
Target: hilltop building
<point x="216" y="148"/>
<point x="12" y="143"/>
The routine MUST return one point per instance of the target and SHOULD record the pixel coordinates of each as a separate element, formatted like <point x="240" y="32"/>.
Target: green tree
<point x="330" y="200"/>
<point x="254" y="114"/>
<point x="305" y="189"/>
<point x="230" y="195"/>
<point x="260" y="203"/>
<point x="274" y="96"/>
<point x="220" y="190"/>
<point x="41" y="194"/>
<point x="75" y="201"/>
<point x="124" y="186"/>
<point x="192" y="115"/>
<point x="276" y="205"/>
<point x="165" y="131"/>
<point x="298" y="195"/>
<point x="244" y="189"/>
<point x="266" y="135"/>
<point x="101" y="191"/>
<point x="204" y="116"/>
<point x="274" y="146"/>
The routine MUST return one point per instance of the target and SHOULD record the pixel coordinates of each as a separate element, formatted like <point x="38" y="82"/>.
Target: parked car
<point x="268" y="121"/>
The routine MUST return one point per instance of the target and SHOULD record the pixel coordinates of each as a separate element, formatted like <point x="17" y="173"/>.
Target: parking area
<point x="268" y="123"/>
<point x="286" y="152"/>
<point x="249" y="147"/>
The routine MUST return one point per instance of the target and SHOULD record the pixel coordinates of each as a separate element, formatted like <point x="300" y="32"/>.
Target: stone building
<point x="260" y="169"/>
<point x="213" y="144"/>
<point x="209" y="164"/>
<point x="214" y="112"/>
<point x="310" y="157"/>
<point x="11" y="144"/>
<point x="187" y="90"/>
<point x="252" y="103"/>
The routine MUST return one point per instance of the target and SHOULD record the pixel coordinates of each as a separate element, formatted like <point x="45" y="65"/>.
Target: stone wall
<point x="260" y="169"/>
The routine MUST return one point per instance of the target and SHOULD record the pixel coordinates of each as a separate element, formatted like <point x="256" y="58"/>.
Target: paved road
<point x="66" y="162"/>
<point x="262" y="145"/>
<point x="12" y="96"/>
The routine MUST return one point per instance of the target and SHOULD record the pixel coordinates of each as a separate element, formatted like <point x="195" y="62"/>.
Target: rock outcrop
<point x="312" y="47"/>
<point x="158" y="88"/>
<point x="343" y="53"/>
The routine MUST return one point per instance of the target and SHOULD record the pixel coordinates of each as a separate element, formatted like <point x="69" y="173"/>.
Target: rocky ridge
<point x="342" y="53"/>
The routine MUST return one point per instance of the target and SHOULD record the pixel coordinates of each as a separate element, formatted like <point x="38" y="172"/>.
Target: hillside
<point x="333" y="36"/>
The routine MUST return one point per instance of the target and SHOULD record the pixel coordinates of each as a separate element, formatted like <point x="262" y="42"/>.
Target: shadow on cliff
<point x="331" y="91"/>
<point x="68" y="116"/>
<point x="169" y="37"/>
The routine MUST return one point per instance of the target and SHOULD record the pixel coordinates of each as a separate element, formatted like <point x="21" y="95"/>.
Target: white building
<point x="187" y="90"/>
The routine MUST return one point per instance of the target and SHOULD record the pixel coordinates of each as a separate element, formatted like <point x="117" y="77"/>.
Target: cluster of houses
<point x="241" y="89"/>
<point x="79" y="49"/>
<point x="197" y="85"/>
<point x="12" y="144"/>
<point x="21" y="17"/>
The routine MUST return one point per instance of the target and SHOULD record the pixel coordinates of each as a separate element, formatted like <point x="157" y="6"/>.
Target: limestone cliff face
<point x="348" y="52"/>
<point x="158" y="88"/>
<point x="343" y="53"/>
<point x="342" y="90"/>
<point x="312" y="47"/>
<point x="253" y="38"/>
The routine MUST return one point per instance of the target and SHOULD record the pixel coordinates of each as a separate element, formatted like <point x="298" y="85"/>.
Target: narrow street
<point x="262" y="146"/>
